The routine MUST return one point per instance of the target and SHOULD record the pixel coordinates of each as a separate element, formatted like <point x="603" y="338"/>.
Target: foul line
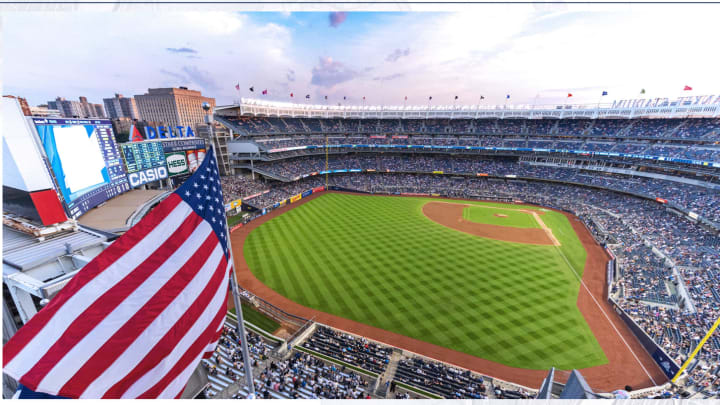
<point x="606" y="315"/>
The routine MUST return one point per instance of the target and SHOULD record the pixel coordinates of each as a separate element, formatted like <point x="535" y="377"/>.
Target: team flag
<point x="482" y="97"/>
<point x="252" y="88"/>
<point x="642" y="91"/>
<point x="291" y="94"/>
<point x="507" y="96"/>
<point x="344" y="98"/>
<point x="325" y="97"/>
<point x="456" y="97"/>
<point x="264" y="92"/>
<point x="237" y="87"/>
<point x="307" y="96"/>
<point x="687" y="88"/>
<point x="405" y="98"/>
<point x="604" y="93"/>
<point x="136" y="321"/>
<point x="430" y="98"/>
<point x="569" y="95"/>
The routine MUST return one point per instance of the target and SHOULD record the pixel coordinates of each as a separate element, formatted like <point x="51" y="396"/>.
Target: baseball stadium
<point x="494" y="248"/>
<point x="311" y="201"/>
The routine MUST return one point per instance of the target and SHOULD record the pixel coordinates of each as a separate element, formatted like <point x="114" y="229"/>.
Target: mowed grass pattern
<point x="487" y="215"/>
<point x="380" y="261"/>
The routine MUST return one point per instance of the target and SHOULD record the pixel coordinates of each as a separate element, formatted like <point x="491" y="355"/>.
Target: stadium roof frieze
<point x="696" y="106"/>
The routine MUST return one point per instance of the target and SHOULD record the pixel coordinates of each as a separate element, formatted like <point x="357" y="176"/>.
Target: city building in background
<point x="173" y="106"/>
<point x="121" y="107"/>
<point x="43" y="111"/>
<point x="77" y="109"/>
<point x="23" y="104"/>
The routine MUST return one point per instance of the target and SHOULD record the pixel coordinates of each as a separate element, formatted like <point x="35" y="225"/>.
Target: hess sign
<point x="147" y="176"/>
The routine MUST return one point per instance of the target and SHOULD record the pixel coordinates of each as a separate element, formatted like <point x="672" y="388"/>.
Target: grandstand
<point x="645" y="178"/>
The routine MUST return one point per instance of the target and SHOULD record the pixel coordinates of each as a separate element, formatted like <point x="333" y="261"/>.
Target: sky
<point x="537" y="53"/>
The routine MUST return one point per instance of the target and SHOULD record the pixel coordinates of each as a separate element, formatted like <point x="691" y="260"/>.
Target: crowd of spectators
<point x="441" y="379"/>
<point x="690" y="128"/>
<point x="303" y="376"/>
<point x="350" y="349"/>
<point x="235" y="187"/>
<point x="699" y="199"/>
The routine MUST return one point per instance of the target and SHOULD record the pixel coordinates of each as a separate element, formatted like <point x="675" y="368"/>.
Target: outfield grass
<point x="258" y="319"/>
<point x="380" y="261"/>
<point x="487" y="215"/>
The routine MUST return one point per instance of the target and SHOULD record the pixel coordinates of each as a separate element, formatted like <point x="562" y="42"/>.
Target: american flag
<point x="136" y="321"/>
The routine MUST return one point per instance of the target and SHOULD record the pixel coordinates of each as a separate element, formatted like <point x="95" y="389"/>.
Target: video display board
<point x="85" y="161"/>
<point x="144" y="162"/>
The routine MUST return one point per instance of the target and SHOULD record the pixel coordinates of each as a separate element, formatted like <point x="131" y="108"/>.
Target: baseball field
<point x="496" y="281"/>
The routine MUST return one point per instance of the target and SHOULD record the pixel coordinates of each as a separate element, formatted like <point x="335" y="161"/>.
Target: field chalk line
<point x="604" y="313"/>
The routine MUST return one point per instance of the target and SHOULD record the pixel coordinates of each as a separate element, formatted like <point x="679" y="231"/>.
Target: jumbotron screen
<point x="85" y="161"/>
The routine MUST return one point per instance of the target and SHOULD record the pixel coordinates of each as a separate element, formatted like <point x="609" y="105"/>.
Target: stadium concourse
<point x="646" y="188"/>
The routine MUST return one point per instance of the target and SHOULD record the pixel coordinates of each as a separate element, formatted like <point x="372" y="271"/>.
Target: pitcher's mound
<point x="500" y="215"/>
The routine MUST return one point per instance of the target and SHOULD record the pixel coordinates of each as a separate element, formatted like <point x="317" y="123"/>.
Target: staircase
<point x="383" y="391"/>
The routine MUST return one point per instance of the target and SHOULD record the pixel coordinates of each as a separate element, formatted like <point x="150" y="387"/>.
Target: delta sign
<point x="161" y="132"/>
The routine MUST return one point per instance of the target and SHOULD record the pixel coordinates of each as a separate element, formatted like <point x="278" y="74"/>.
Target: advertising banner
<point x="227" y="207"/>
<point x="306" y="193"/>
<point x="176" y="163"/>
<point x="283" y="203"/>
<point x="147" y="176"/>
<point x="295" y="198"/>
<point x="318" y="189"/>
<point x="235" y="204"/>
<point x="438" y="172"/>
<point x="236" y="227"/>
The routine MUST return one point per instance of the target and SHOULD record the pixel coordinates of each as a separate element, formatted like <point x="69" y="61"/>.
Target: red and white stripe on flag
<point x="137" y="319"/>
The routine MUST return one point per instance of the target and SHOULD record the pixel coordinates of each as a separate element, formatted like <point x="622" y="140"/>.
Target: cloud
<point x="181" y="50"/>
<point x="201" y="77"/>
<point x="290" y="75"/>
<point x="329" y="73"/>
<point x="337" y="18"/>
<point x="397" y="54"/>
<point x="390" y="77"/>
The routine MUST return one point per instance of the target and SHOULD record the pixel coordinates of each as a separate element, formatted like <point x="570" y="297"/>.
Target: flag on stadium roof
<point x="237" y="87"/>
<point x="569" y="94"/>
<point x="687" y="88"/>
<point x="344" y="98"/>
<point x="291" y="94"/>
<point x="642" y="91"/>
<point x="456" y="97"/>
<point x="325" y="97"/>
<point x="307" y="96"/>
<point x="507" y="96"/>
<point x="264" y="92"/>
<point x="252" y="88"/>
<point x="405" y="98"/>
<point x="482" y="97"/>
<point x="604" y="93"/>
<point x="136" y="321"/>
<point x="430" y="98"/>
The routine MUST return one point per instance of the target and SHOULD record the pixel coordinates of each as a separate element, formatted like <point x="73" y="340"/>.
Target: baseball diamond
<point x="512" y="303"/>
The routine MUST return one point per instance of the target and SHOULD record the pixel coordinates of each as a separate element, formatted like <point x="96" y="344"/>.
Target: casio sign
<point x="147" y="176"/>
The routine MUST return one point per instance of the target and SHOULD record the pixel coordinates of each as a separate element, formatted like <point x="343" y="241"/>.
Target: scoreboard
<point x="84" y="160"/>
<point x="144" y="162"/>
<point x="143" y="155"/>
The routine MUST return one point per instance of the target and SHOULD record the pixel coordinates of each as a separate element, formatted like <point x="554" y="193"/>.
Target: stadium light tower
<point x="234" y="287"/>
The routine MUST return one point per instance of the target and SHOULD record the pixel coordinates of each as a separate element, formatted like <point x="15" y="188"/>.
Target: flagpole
<point x="236" y="300"/>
